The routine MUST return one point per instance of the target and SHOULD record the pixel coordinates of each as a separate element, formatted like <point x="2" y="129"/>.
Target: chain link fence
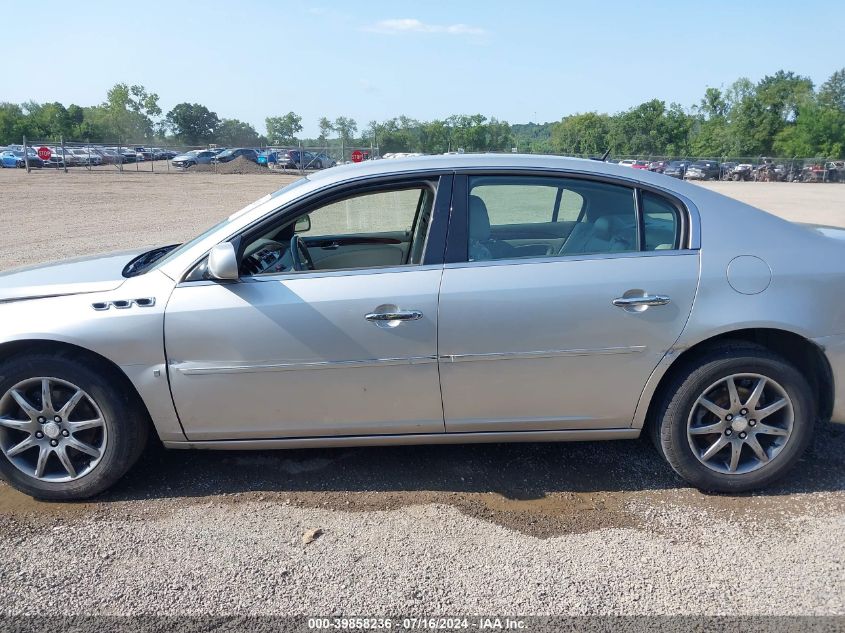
<point x="62" y="155"/>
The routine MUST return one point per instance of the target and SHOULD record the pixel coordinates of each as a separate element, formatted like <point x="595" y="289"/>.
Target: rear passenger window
<point x="523" y="217"/>
<point x="544" y="200"/>
<point x="662" y="224"/>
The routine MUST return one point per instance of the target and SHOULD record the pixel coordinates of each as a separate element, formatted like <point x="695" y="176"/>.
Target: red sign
<point x="44" y="153"/>
<point x="357" y="156"/>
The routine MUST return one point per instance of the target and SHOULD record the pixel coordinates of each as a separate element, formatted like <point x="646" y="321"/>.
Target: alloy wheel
<point x="51" y="430"/>
<point x="740" y="423"/>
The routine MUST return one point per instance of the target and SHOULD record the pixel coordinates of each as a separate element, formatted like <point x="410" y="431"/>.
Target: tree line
<point x="783" y="114"/>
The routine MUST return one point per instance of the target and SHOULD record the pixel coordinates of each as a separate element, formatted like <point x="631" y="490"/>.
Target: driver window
<point x="375" y="229"/>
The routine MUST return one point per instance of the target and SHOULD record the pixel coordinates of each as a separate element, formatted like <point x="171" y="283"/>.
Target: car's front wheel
<point x="737" y="419"/>
<point x="68" y="429"/>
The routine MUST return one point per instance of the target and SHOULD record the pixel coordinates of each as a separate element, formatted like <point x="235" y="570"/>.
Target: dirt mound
<point x="240" y="165"/>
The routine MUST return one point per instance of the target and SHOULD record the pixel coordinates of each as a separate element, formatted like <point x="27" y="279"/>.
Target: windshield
<point x="199" y="238"/>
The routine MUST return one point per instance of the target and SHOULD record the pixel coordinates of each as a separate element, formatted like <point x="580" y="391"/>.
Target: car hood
<point x="71" y="276"/>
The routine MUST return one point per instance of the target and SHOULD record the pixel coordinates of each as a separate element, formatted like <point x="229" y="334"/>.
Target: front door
<point x="347" y="346"/>
<point x="563" y="306"/>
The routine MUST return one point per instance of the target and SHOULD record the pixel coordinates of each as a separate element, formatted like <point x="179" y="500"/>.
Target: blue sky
<point x="518" y="61"/>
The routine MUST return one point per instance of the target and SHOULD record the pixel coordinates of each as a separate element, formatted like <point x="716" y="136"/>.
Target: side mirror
<point x="303" y="224"/>
<point x="223" y="262"/>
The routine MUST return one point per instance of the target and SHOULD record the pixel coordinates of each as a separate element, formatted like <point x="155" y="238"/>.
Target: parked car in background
<point x="658" y="166"/>
<point x="820" y="172"/>
<point x="109" y="156"/>
<point x="626" y="162"/>
<point x="299" y="159"/>
<point x="84" y="157"/>
<point x="55" y="161"/>
<point x="725" y="170"/>
<point x="323" y="161"/>
<point x="677" y="168"/>
<point x="129" y="154"/>
<point x="16" y="158"/>
<point x="703" y="170"/>
<point x="268" y="157"/>
<point x="742" y="172"/>
<point x="144" y="153"/>
<point x="767" y="172"/>
<point x="194" y="157"/>
<point x="231" y="154"/>
<point x="12" y="158"/>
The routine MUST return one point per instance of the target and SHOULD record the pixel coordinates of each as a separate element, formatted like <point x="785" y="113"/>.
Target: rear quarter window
<point x="662" y="223"/>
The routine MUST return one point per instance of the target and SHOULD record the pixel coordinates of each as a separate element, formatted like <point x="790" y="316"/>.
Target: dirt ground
<point x="553" y="506"/>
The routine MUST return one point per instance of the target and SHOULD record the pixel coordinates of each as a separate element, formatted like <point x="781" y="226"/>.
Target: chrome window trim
<point x="560" y="259"/>
<point x="314" y="274"/>
<point x="691" y="215"/>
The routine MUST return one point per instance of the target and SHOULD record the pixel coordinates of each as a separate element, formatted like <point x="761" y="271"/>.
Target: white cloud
<point x="412" y="25"/>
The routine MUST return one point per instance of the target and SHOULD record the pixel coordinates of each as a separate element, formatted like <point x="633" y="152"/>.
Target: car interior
<point x="599" y="218"/>
<point x="382" y="228"/>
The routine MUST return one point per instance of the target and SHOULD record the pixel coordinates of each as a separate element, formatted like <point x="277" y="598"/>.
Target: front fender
<point x="131" y="338"/>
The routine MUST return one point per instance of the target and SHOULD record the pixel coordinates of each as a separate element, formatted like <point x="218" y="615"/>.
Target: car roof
<point x="488" y="161"/>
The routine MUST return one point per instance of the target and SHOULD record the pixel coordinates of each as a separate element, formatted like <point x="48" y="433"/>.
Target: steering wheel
<point x="299" y="254"/>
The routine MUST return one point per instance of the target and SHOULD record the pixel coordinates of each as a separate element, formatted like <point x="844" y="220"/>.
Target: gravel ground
<point x="593" y="528"/>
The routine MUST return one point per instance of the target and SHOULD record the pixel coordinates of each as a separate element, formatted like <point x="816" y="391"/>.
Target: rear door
<point x="539" y="339"/>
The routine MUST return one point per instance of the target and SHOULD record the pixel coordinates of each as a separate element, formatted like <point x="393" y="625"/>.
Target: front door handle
<point x="641" y="301"/>
<point x="394" y="315"/>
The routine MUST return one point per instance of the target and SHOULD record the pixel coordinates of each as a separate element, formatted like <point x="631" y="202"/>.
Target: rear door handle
<point x="643" y="300"/>
<point x="396" y="315"/>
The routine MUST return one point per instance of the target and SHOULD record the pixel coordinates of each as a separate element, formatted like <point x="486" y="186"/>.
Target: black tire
<point x="318" y="165"/>
<point x="669" y="426"/>
<point x="126" y="421"/>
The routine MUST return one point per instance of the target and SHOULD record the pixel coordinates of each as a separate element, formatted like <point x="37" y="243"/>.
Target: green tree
<point x="832" y="92"/>
<point x="467" y="132"/>
<point x="326" y="128"/>
<point x="346" y="129"/>
<point x="192" y="123"/>
<point x="232" y="132"/>
<point x="819" y="130"/>
<point x="581" y="134"/>
<point x="11" y="123"/>
<point x="434" y="137"/>
<point x="131" y="112"/>
<point x="282" y="130"/>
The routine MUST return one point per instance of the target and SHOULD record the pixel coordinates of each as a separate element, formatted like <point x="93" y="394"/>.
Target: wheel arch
<point x="803" y="353"/>
<point x="34" y="346"/>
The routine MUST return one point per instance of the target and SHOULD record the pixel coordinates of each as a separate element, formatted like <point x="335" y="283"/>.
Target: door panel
<point x="539" y="345"/>
<point x="359" y="251"/>
<point x="293" y="355"/>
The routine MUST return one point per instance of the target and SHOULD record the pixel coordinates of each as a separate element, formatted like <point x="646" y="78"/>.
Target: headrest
<point x="603" y="228"/>
<point x="479" y="220"/>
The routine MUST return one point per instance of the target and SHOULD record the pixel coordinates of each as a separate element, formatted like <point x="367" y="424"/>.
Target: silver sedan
<point x="447" y="299"/>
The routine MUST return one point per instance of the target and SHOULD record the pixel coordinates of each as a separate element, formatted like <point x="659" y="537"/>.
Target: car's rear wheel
<point x="68" y="429"/>
<point x="736" y="420"/>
